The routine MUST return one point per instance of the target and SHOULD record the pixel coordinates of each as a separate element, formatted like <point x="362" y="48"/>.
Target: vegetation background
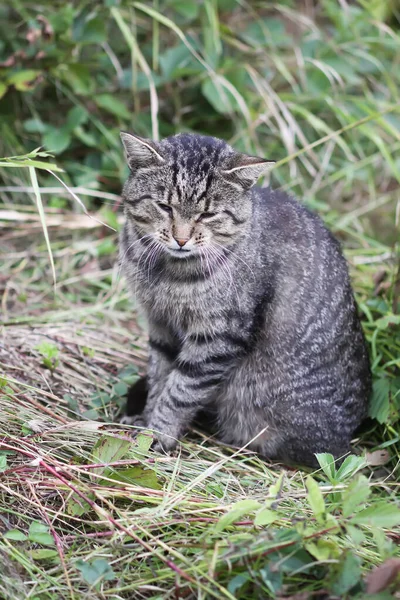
<point x="84" y="512"/>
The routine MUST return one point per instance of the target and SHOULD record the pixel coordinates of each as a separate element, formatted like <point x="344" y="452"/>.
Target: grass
<point x="85" y="512"/>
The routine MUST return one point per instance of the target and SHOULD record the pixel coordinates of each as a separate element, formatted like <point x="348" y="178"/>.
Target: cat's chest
<point x="183" y="308"/>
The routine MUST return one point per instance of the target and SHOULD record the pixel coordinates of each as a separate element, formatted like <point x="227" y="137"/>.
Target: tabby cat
<point x="250" y="310"/>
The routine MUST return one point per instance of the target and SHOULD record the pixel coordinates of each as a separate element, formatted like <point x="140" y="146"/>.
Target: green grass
<point x="85" y="512"/>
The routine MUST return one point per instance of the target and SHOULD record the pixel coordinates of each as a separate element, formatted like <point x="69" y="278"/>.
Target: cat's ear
<point x="245" y="170"/>
<point x="140" y="152"/>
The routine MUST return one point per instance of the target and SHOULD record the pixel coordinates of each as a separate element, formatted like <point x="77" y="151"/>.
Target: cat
<point x="250" y="310"/>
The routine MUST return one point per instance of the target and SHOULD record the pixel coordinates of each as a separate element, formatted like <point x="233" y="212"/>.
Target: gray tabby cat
<point x="249" y="304"/>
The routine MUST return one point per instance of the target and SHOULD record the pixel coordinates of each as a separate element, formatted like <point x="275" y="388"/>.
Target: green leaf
<point x="315" y="498"/>
<point x="189" y="9"/>
<point x="45" y="554"/>
<point x="109" y="449"/>
<point x="76" y="116"/>
<point x="77" y="507"/>
<point x="327" y="463"/>
<point x="219" y="97"/>
<point x="56" y="140"/>
<point x="350" y="466"/>
<point x="95" y="571"/>
<point x="265" y="516"/>
<point x="237" y="582"/>
<point x="112" y="105"/>
<point x="356" y="494"/>
<point x="15" y="534"/>
<point x="34" y="126"/>
<point x="3" y="462"/>
<point x="139" y="476"/>
<point x="385" y="402"/>
<point x="381" y="514"/>
<point x="243" y="507"/>
<point x="388" y="321"/>
<point x="23" y="80"/>
<point x="93" y="31"/>
<point x="347" y="575"/>
<point x="3" y="89"/>
<point x="39" y="533"/>
<point x="144" y="441"/>
<point x="78" y="78"/>
<point x="120" y="388"/>
<point x="323" y="549"/>
<point x="356" y="535"/>
<point x="272" y="577"/>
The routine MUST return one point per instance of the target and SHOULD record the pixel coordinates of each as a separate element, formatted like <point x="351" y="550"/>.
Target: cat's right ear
<point x="140" y="152"/>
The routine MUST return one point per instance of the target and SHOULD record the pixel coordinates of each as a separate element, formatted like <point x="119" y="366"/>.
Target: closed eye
<point x="206" y="215"/>
<point x="165" y="207"/>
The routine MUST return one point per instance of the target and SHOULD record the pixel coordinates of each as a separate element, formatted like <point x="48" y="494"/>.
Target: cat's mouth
<point x="180" y="252"/>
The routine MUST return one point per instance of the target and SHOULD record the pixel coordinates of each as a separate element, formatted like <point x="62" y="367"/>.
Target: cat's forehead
<point x="192" y="161"/>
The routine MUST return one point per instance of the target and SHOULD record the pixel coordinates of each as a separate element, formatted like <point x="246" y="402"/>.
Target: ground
<point x="86" y="511"/>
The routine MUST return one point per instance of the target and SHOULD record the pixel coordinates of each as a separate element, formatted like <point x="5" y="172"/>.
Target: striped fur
<point x="253" y="317"/>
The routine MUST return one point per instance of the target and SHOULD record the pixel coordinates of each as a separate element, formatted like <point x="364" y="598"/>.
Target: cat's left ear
<point x="140" y="152"/>
<point x="245" y="170"/>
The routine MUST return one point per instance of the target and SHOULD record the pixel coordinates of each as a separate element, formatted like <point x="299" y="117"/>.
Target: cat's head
<point x="189" y="192"/>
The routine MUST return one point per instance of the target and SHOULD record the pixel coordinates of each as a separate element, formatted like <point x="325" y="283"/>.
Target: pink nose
<point x="180" y="242"/>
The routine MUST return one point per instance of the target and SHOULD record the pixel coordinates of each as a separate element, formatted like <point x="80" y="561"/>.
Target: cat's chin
<point x="181" y="253"/>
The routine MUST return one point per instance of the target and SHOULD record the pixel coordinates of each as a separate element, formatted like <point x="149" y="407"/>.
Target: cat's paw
<point x="134" y="420"/>
<point x="164" y="443"/>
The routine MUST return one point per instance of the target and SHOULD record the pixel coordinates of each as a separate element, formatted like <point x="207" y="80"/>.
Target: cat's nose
<point x="180" y="241"/>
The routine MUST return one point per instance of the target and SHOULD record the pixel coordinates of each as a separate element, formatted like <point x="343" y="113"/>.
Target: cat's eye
<point x="205" y="215"/>
<point x="165" y="207"/>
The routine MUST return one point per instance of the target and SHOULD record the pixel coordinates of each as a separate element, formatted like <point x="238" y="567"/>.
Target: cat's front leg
<point x="162" y="353"/>
<point x="160" y="365"/>
<point x="191" y="385"/>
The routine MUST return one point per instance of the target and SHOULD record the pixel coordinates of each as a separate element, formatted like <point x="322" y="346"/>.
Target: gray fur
<point x="254" y="317"/>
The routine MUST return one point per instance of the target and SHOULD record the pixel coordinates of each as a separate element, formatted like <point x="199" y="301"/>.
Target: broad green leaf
<point x="315" y="498"/>
<point x="388" y="321"/>
<point x="15" y="534"/>
<point x="112" y="105"/>
<point x="120" y="388"/>
<point x="77" y="507"/>
<point x="39" y="533"/>
<point x="78" y="78"/>
<point x="56" y="140"/>
<point x="76" y="116"/>
<point x="357" y="536"/>
<point x="3" y="89"/>
<point x="189" y="9"/>
<point x="144" y="441"/>
<point x="139" y="476"/>
<point x="385" y="402"/>
<point x="95" y="571"/>
<point x="23" y="80"/>
<point x="265" y="516"/>
<point x="45" y="554"/>
<point x="380" y="514"/>
<point x="272" y="577"/>
<point x="327" y="463"/>
<point x="323" y="549"/>
<point x="347" y="575"/>
<point x="92" y="31"/>
<point x="34" y="126"/>
<point x="238" y="510"/>
<point x="350" y="466"/>
<point x="109" y="449"/>
<point x="356" y="494"/>
<point x="237" y="582"/>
